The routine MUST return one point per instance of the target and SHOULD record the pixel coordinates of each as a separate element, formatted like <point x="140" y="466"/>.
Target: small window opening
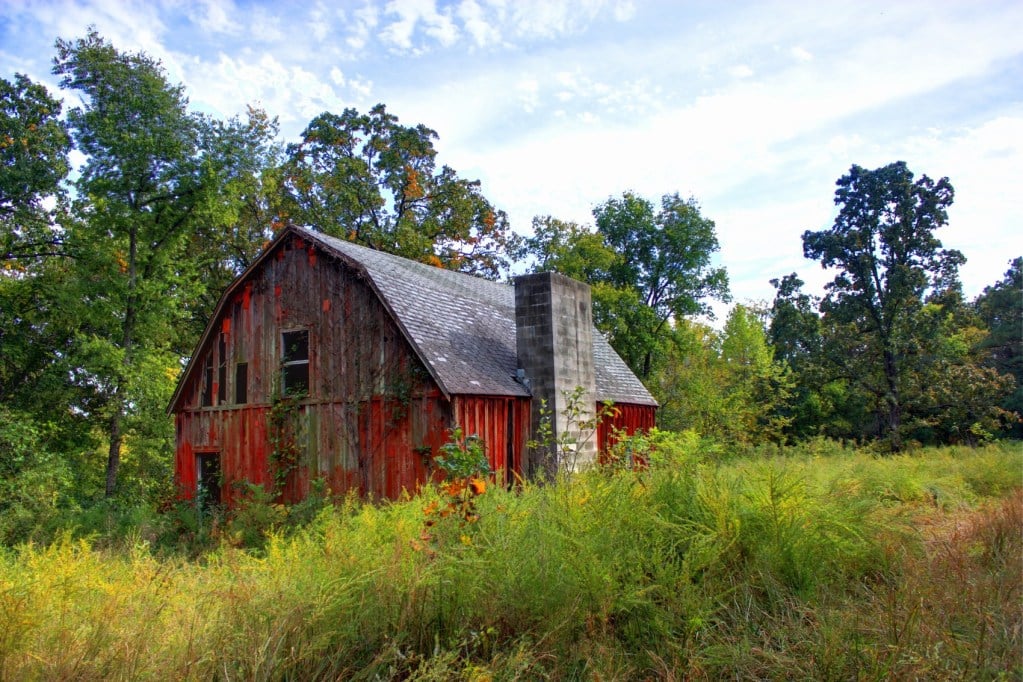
<point x="207" y="385"/>
<point x="222" y="370"/>
<point x="208" y="481"/>
<point x="241" y="383"/>
<point x="295" y="362"/>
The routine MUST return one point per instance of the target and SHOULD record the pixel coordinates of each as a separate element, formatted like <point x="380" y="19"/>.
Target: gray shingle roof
<point x="464" y="326"/>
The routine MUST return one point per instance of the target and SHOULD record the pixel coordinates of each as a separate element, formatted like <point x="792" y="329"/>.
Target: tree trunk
<point x="114" y="455"/>
<point x="127" y="339"/>
<point x="893" y="408"/>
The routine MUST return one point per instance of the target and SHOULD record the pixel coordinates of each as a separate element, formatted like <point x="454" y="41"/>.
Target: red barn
<point x="328" y="359"/>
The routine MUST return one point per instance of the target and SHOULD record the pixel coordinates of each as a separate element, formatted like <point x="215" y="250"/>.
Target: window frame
<point x="290" y="364"/>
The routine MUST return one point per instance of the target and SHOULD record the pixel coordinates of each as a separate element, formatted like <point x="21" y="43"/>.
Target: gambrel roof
<point x="461" y="326"/>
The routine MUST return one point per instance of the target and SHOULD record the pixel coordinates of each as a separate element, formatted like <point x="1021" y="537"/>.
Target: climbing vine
<point x="283" y="422"/>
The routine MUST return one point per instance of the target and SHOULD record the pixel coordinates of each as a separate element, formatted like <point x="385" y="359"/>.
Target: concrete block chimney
<point x="554" y="342"/>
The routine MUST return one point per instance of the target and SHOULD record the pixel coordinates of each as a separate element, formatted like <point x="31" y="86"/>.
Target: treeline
<point x="892" y="354"/>
<point x="111" y="269"/>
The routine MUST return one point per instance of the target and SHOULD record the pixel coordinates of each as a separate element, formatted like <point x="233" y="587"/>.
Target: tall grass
<point x="804" y="564"/>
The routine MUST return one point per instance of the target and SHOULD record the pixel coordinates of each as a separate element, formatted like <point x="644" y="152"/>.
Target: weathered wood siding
<point x="373" y="415"/>
<point x="503" y="426"/>
<point x="625" y="418"/>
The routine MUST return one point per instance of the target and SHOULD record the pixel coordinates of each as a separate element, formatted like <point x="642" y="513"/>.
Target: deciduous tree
<point x="665" y="258"/>
<point x="887" y="257"/>
<point x="368" y="179"/>
<point x="1000" y="306"/>
<point x="145" y="180"/>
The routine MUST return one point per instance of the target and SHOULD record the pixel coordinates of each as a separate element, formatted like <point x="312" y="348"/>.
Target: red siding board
<point x="624" y="418"/>
<point x="502" y="423"/>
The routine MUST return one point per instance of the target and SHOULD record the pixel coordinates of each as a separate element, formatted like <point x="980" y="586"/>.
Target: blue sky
<point x="755" y="109"/>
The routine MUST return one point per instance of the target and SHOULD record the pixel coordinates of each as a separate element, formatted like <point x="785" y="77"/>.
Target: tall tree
<point x="144" y="181"/>
<point x="645" y="268"/>
<point x="883" y="245"/>
<point x="664" y="258"/>
<point x="368" y="179"/>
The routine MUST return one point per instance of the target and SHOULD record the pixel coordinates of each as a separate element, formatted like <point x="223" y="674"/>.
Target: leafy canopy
<point x="34" y="145"/>
<point x="368" y="179"/>
<point x="646" y="267"/>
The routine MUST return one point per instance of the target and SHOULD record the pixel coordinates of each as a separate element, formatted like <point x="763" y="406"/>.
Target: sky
<point x="755" y="109"/>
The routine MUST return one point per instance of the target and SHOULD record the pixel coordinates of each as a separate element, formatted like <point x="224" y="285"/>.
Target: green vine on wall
<point x="283" y="425"/>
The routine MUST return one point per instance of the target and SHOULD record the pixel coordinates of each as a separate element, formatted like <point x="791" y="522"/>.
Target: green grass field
<point x="816" y="563"/>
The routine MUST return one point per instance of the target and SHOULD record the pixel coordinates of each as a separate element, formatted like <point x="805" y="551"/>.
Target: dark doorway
<point x="207" y="480"/>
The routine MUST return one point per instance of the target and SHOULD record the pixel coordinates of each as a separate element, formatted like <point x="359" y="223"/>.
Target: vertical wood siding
<point x="626" y="418"/>
<point x="503" y="426"/>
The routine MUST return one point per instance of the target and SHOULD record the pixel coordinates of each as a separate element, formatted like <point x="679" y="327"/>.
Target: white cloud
<point x="476" y="25"/>
<point x="740" y="71"/>
<point x="215" y="16"/>
<point x="551" y="18"/>
<point x="412" y="13"/>
<point x="337" y="76"/>
<point x="365" y="20"/>
<point x="293" y="93"/>
<point x="319" y="21"/>
<point x="624" y="10"/>
<point x="528" y="94"/>
<point x="801" y="54"/>
<point x="264" y="27"/>
<point x="984" y="164"/>
<point x="361" y="86"/>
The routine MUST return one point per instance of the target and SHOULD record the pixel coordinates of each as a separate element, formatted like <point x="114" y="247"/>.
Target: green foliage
<point x="801" y="564"/>
<point x="463" y="457"/>
<point x="883" y="245"/>
<point x="370" y="180"/>
<point x="34" y="145"/>
<point x="645" y="267"/>
<point x="35" y="484"/>
<point x="244" y="159"/>
<point x="724" y="385"/>
<point x="1000" y="306"/>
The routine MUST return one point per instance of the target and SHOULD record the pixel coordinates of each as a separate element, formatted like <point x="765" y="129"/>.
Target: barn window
<point x="241" y="383"/>
<point x="207" y="480"/>
<point x="295" y="362"/>
<point x="222" y="370"/>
